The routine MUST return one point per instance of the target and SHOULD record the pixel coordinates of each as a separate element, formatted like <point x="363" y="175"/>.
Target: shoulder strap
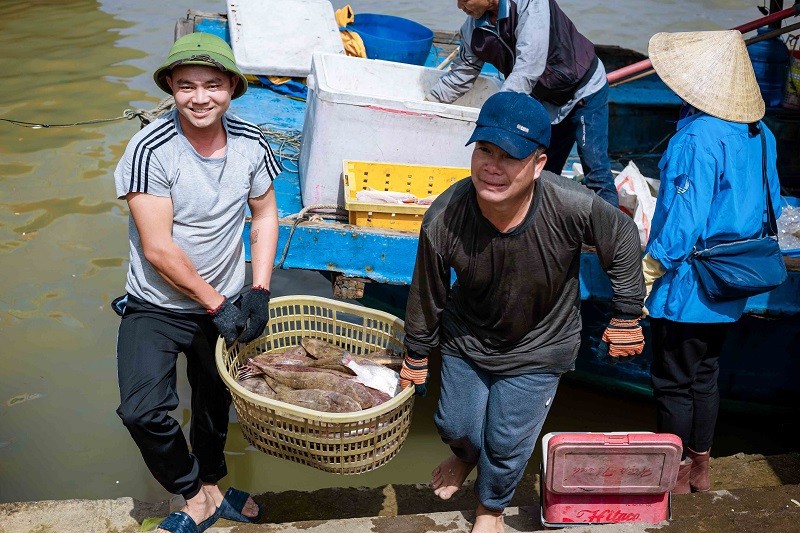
<point x="770" y="225"/>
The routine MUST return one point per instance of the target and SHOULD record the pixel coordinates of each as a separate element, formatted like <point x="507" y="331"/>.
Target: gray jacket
<point x="538" y="50"/>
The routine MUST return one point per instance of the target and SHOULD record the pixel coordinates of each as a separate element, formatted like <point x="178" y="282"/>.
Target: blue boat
<point x="761" y="365"/>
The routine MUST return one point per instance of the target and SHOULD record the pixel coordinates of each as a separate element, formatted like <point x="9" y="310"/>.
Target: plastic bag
<point x="636" y="198"/>
<point x="373" y="375"/>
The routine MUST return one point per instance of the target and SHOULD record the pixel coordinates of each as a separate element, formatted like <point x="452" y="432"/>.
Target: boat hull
<point x="761" y="357"/>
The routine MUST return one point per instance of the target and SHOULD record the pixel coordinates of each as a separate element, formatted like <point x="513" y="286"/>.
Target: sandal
<point x="180" y="522"/>
<point x="232" y="504"/>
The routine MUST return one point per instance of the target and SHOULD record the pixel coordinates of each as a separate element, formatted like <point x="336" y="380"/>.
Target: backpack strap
<point x="770" y="226"/>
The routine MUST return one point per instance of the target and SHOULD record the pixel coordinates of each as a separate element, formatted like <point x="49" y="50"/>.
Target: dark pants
<point x="684" y="375"/>
<point x="147" y="351"/>
<point x="586" y="125"/>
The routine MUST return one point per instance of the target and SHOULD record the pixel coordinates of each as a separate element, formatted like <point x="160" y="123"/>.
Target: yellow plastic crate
<point x="419" y="180"/>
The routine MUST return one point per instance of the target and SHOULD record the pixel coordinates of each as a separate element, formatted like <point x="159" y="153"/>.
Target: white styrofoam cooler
<point x="278" y="37"/>
<point x="371" y="110"/>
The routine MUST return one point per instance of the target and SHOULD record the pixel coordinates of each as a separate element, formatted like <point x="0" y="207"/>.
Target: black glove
<point x="415" y="370"/>
<point x="226" y="317"/>
<point x="255" y="313"/>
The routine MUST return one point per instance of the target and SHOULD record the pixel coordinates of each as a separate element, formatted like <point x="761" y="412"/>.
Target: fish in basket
<point x="331" y="348"/>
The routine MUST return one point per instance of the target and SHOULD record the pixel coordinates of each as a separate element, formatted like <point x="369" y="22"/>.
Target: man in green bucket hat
<point x="201" y="49"/>
<point x="187" y="178"/>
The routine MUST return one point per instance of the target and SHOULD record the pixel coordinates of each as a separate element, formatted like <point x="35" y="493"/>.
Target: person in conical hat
<point x="711" y="71"/>
<point x="188" y="178"/>
<point x="711" y="192"/>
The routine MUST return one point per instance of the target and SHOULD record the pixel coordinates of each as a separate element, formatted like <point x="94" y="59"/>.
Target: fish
<point x="248" y="370"/>
<point x="428" y="200"/>
<point x="320" y="400"/>
<point x="257" y="385"/>
<point x="288" y="357"/>
<point x="335" y="363"/>
<point x="275" y="385"/>
<point x="386" y="357"/>
<point x="373" y="375"/>
<point x="385" y="197"/>
<point x="321" y="380"/>
<point x="320" y="349"/>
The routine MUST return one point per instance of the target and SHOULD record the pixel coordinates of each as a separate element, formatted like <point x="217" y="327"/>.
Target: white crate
<point x="266" y="40"/>
<point x="371" y="110"/>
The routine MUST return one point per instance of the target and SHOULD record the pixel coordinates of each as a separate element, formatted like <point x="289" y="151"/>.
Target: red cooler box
<point x="602" y="478"/>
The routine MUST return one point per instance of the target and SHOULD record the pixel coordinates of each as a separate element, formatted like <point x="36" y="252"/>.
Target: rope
<point x="129" y="114"/>
<point x="318" y="212"/>
<point x="149" y="116"/>
<point x="288" y="142"/>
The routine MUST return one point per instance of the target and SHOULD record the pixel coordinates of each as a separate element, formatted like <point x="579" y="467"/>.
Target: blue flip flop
<point x="232" y="504"/>
<point x="180" y="522"/>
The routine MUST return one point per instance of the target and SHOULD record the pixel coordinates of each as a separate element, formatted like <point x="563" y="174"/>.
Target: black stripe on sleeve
<point x="140" y="161"/>
<point x="253" y="132"/>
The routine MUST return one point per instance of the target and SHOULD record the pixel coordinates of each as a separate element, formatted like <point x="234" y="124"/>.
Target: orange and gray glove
<point x="415" y="370"/>
<point x="624" y="336"/>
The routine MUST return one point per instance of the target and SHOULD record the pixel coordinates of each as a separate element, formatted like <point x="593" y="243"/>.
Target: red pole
<point x="645" y="64"/>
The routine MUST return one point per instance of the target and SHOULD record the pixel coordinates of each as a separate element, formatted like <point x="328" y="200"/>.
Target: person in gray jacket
<point x="510" y="325"/>
<point x="540" y="52"/>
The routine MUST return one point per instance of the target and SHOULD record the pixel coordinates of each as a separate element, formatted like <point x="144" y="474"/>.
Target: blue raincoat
<point x="711" y="192"/>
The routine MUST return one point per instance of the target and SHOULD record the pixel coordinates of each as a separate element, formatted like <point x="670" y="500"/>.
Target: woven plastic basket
<point x="342" y="443"/>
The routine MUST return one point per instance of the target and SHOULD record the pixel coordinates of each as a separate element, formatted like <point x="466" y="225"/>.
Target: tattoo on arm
<point x="254" y="237"/>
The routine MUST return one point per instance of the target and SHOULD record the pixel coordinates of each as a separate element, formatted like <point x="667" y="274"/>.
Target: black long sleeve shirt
<point x="514" y="307"/>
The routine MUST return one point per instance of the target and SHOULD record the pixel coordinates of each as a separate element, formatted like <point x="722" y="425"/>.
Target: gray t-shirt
<point x="209" y="198"/>
<point x="515" y="305"/>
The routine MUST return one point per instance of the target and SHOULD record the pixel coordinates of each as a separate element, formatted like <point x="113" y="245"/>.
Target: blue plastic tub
<point x="393" y="38"/>
<point x="770" y="60"/>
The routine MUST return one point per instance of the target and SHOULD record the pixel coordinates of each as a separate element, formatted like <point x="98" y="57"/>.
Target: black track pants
<point x="148" y="344"/>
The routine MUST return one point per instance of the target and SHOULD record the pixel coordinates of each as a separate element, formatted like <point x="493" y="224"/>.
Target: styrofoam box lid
<point x="278" y="37"/>
<point x="619" y="463"/>
<point x="356" y="81"/>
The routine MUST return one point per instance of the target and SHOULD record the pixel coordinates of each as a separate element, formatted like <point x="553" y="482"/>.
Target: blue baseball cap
<point x="516" y="122"/>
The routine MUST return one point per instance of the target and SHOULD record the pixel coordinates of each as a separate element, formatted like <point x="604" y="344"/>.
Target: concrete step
<point x="750" y="493"/>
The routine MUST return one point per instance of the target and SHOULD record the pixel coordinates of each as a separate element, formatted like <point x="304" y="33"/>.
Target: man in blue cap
<point x="510" y="326"/>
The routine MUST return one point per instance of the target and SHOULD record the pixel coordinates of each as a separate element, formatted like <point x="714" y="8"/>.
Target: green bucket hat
<point x="200" y="49"/>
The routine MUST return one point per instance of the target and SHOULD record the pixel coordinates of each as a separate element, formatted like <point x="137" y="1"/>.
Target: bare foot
<point x="250" y="509"/>
<point x="199" y="508"/>
<point x="487" y="521"/>
<point x="449" y="476"/>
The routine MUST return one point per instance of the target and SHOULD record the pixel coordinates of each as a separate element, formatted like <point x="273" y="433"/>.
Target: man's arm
<point x="263" y="237"/>
<point x="616" y="239"/>
<point x="426" y="300"/>
<point x="619" y="250"/>
<point x="153" y="218"/>
<point x="464" y="70"/>
<point x="427" y="297"/>
<point x="533" y="41"/>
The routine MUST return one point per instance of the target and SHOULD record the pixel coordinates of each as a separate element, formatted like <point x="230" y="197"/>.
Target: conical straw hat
<point x="711" y="71"/>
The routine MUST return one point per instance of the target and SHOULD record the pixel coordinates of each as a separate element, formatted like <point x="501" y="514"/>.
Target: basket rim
<point x="356" y="416"/>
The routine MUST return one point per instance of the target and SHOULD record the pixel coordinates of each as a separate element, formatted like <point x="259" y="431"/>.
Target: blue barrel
<point x="771" y="64"/>
<point x="393" y="38"/>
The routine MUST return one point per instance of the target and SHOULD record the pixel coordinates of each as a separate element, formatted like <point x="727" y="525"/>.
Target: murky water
<point x="63" y="246"/>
